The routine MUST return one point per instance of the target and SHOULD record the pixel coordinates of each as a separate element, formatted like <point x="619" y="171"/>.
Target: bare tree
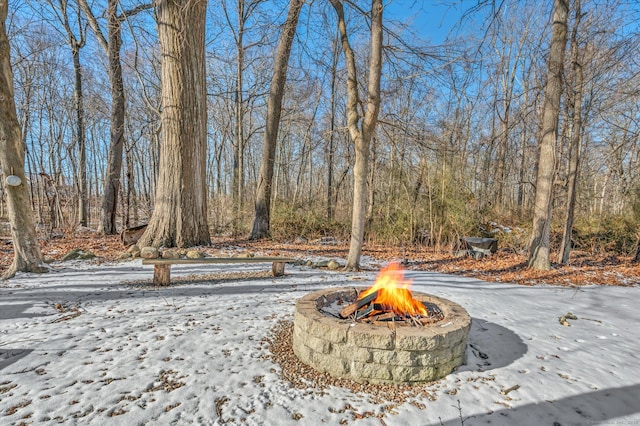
<point x="27" y="254"/>
<point x="112" y="45"/>
<point x="361" y="134"/>
<point x="509" y="52"/>
<point x="331" y="149"/>
<point x="76" y="42"/>
<point x="576" y="137"/>
<point x="180" y="212"/>
<point x="261" y="223"/>
<point x="244" y="11"/>
<point x="539" y="245"/>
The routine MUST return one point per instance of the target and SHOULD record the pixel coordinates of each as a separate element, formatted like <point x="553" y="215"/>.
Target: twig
<point x="512" y="388"/>
<point x="462" y="419"/>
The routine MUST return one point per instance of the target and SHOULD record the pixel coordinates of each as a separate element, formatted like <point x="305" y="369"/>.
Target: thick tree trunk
<point x="539" y="245"/>
<point x="112" y="180"/>
<point x="261" y="222"/>
<point x="180" y="213"/>
<point x="576" y="140"/>
<point x="361" y="137"/>
<point x="27" y="255"/>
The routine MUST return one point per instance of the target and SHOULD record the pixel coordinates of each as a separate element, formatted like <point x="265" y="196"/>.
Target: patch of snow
<point x="193" y="353"/>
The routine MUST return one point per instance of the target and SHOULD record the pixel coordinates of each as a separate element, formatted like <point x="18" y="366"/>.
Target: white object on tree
<point x="13" y="180"/>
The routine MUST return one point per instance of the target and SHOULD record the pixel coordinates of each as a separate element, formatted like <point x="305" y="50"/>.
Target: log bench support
<point x="161" y="274"/>
<point x="162" y="267"/>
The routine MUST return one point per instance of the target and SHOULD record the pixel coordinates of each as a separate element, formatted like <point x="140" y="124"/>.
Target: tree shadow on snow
<point x="20" y="311"/>
<point x="18" y="302"/>
<point x="9" y="356"/>
<point x="588" y="408"/>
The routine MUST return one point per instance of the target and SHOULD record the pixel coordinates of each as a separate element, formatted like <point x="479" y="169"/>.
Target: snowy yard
<point x="89" y="344"/>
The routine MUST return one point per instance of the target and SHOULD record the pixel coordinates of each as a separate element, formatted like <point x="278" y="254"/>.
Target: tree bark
<point x="576" y="140"/>
<point x="114" y="160"/>
<point x="27" y="254"/>
<point x="261" y="222"/>
<point x="361" y="137"/>
<point x="180" y="212"/>
<point x="539" y="245"/>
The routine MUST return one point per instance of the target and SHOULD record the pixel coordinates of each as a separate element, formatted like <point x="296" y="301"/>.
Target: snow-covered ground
<point x="82" y="345"/>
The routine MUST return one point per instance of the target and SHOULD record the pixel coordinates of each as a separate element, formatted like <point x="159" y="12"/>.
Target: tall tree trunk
<point x="114" y="160"/>
<point x="75" y="44"/>
<point x="576" y="132"/>
<point x="132" y="195"/>
<point x="371" y="190"/>
<point x="523" y="150"/>
<point x="180" y="213"/>
<point x="503" y="149"/>
<point x="27" y="254"/>
<point x="238" y="154"/>
<point x="539" y="245"/>
<point x="261" y="222"/>
<point x="361" y="137"/>
<point x="83" y="201"/>
<point x="332" y="128"/>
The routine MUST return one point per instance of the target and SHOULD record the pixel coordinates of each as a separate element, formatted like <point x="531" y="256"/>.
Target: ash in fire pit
<point x="375" y="337"/>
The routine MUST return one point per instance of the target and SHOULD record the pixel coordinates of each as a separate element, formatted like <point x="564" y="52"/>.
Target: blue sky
<point x="433" y="19"/>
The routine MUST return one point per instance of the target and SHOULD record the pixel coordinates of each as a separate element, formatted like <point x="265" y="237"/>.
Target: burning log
<point x="352" y="307"/>
<point x="371" y="309"/>
<point x="364" y="312"/>
<point x="386" y="316"/>
<point x="389" y="300"/>
<point x="367" y="310"/>
<point x="434" y="311"/>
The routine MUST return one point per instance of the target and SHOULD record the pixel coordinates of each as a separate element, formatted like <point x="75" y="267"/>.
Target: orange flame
<point x="393" y="292"/>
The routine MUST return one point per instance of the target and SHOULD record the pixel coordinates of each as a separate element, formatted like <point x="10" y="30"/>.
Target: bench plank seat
<point x="162" y="267"/>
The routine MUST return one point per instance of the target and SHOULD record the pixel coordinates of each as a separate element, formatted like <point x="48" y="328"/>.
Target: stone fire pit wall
<point x="377" y="354"/>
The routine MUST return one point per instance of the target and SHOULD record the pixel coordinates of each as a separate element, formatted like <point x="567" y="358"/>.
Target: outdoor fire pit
<point x="353" y="334"/>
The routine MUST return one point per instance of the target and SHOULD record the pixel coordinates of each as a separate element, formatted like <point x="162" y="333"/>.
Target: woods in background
<point x="461" y="138"/>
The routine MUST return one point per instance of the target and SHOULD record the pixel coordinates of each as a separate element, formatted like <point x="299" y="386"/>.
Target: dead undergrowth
<point x="504" y="266"/>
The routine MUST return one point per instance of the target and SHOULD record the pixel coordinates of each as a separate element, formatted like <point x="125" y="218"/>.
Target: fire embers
<point x="389" y="299"/>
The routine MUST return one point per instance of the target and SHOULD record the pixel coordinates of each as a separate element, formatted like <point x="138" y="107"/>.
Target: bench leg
<point x="162" y="274"/>
<point x="278" y="269"/>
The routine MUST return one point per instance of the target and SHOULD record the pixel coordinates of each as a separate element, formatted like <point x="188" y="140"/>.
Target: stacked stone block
<point x="377" y="354"/>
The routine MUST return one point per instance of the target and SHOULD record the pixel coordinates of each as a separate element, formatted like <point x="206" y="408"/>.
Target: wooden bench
<point x="162" y="267"/>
